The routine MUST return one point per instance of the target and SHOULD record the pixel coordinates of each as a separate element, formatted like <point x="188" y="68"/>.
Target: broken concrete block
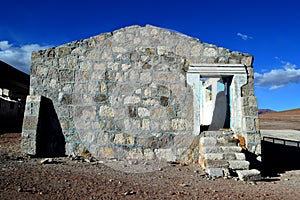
<point x="249" y="175"/>
<point x="215" y="172"/>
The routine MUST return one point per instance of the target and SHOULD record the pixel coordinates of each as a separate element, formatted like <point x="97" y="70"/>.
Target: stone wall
<point x="124" y="94"/>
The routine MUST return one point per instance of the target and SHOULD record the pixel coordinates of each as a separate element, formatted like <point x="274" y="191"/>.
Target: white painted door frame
<point x="239" y="74"/>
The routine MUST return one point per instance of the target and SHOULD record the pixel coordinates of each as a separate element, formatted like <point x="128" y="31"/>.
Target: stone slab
<point x="217" y="164"/>
<point x="213" y="133"/>
<point x="221" y="149"/>
<point x="238" y="164"/>
<point x="209" y="141"/>
<point x="249" y="175"/>
<point x="215" y="172"/>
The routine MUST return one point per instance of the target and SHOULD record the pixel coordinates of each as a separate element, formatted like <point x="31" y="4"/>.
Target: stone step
<point x="249" y="175"/>
<point x="216" y="164"/>
<point x="212" y="133"/>
<point x="238" y="164"/>
<point x="220" y="149"/>
<point x="224" y="156"/>
<point x="218" y="141"/>
<point x="208" y="141"/>
<point x="227" y="140"/>
<point x="229" y="164"/>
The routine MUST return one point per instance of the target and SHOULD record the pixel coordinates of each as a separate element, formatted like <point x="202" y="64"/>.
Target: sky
<point x="269" y="30"/>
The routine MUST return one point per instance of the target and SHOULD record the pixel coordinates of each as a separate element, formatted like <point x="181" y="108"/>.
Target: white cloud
<point x="4" y="45"/>
<point x="278" y="78"/>
<point x="244" y="37"/>
<point x="18" y="57"/>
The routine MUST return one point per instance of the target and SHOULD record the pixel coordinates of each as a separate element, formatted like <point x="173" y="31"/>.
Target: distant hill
<point x="268" y="112"/>
<point x="290" y="112"/>
<point x="263" y="111"/>
<point x="287" y="119"/>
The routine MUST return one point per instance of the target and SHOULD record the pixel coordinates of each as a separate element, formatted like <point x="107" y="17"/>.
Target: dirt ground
<point x="65" y="178"/>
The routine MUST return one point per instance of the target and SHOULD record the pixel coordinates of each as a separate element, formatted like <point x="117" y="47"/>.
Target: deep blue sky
<point x="269" y="30"/>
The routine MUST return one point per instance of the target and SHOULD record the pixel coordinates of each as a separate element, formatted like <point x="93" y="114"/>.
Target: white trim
<point x="239" y="73"/>
<point x="217" y="69"/>
<point x="193" y="79"/>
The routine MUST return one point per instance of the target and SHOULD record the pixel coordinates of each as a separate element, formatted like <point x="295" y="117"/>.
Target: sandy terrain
<point x="282" y="134"/>
<point x="285" y="120"/>
<point x="64" y="178"/>
<point x="284" y="125"/>
<point x="69" y="178"/>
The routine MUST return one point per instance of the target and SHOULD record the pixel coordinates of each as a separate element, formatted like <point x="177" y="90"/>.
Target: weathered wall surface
<point x="124" y="94"/>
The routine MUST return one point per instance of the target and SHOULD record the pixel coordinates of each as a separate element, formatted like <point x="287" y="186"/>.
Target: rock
<point x="253" y="182"/>
<point x="173" y="162"/>
<point x="129" y="193"/>
<point x="47" y="161"/>
<point x="184" y="185"/>
<point x="133" y="162"/>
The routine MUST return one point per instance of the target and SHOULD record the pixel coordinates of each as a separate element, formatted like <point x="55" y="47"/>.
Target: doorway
<point x="215" y="103"/>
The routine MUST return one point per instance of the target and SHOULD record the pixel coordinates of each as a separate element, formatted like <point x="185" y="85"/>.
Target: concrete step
<point x="229" y="164"/>
<point x="212" y="133"/>
<point x="208" y="141"/>
<point x="249" y="175"/>
<point x="218" y="141"/>
<point x="220" y="155"/>
<point x="227" y="140"/>
<point x="224" y="156"/>
<point x="238" y="164"/>
<point x="217" y="164"/>
<point x="220" y="149"/>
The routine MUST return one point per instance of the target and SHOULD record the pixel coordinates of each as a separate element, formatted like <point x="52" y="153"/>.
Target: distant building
<point x="14" y="87"/>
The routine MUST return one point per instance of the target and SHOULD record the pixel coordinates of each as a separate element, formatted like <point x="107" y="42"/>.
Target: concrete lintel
<point x="217" y="69"/>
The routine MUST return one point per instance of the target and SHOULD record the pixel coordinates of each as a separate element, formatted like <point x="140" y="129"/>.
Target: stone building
<point x="14" y="87"/>
<point x="140" y="93"/>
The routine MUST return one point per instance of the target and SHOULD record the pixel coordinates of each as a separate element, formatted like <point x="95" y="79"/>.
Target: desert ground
<point x="23" y="177"/>
<point x="284" y="125"/>
<point x="284" y="120"/>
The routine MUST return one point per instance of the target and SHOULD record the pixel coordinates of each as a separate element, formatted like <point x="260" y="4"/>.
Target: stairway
<point x="220" y="156"/>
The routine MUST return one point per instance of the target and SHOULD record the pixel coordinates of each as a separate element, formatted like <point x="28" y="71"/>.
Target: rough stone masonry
<point x="128" y="94"/>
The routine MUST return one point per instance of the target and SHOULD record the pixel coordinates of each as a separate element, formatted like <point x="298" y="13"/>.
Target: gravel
<point x="23" y="177"/>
